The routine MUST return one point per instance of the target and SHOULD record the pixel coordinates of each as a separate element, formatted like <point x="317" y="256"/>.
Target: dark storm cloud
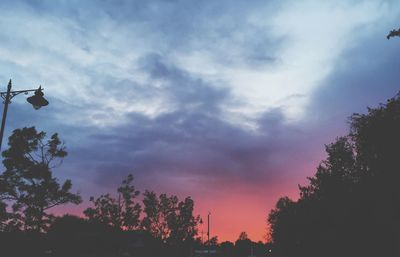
<point x="192" y="138"/>
<point x="192" y="142"/>
<point x="187" y="91"/>
<point x="182" y="144"/>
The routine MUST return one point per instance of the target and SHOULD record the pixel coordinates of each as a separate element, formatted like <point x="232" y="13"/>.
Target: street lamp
<point x="37" y="101"/>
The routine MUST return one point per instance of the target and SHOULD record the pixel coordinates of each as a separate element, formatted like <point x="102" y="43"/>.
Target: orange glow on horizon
<point x="231" y="213"/>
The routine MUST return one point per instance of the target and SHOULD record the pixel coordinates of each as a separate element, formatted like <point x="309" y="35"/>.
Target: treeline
<point x="351" y="206"/>
<point x="164" y="217"/>
<point x="122" y="223"/>
<point x="113" y="223"/>
<point x="242" y="247"/>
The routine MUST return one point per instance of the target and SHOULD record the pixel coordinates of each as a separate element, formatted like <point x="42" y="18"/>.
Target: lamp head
<point x="37" y="100"/>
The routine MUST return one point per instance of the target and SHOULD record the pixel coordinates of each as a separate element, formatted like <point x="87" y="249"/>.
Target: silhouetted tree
<point x="3" y="206"/>
<point x="27" y="184"/>
<point x="183" y="226"/>
<point x="168" y="219"/>
<point x="243" y="245"/>
<point x="351" y="206"/>
<point x="260" y="249"/>
<point x="226" y="249"/>
<point x="121" y="212"/>
<point x="155" y="219"/>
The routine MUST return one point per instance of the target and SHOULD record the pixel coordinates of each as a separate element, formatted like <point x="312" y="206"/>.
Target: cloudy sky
<point x="230" y="102"/>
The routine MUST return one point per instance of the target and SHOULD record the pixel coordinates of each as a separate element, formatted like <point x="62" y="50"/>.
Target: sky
<point x="229" y="102"/>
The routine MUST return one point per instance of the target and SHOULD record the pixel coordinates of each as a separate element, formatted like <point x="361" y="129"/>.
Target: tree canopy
<point x="169" y="219"/>
<point x="28" y="187"/>
<point x="351" y="206"/>
<point x="121" y="212"/>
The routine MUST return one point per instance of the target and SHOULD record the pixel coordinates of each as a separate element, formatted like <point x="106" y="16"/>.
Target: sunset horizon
<point x="231" y="103"/>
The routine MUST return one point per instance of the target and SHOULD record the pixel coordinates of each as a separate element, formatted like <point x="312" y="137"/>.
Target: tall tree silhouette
<point x="351" y="206"/>
<point x="184" y="226"/>
<point x="121" y="212"/>
<point x="168" y="219"/>
<point x="27" y="184"/>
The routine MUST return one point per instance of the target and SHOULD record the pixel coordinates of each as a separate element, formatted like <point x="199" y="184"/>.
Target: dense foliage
<point x="351" y="206"/>
<point x="121" y="212"/>
<point x="27" y="186"/>
<point x="113" y="225"/>
<point x="169" y="219"/>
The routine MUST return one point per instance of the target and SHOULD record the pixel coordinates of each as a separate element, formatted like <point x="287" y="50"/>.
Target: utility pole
<point x="208" y="232"/>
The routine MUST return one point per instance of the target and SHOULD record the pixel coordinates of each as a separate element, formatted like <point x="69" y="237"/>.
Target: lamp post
<point x="37" y="101"/>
